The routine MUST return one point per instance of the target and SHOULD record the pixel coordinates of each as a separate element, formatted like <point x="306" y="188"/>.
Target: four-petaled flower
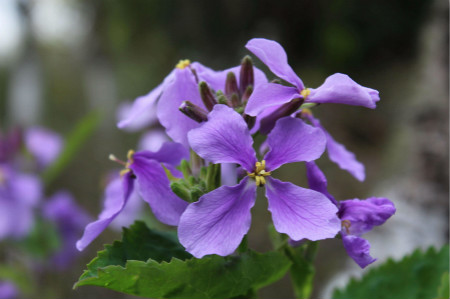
<point x="217" y="223"/>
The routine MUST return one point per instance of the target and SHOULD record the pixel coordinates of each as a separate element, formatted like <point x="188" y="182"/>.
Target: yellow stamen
<point x="306" y="111"/>
<point x="127" y="164"/>
<point x="182" y="64"/>
<point x="259" y="173"/>
<point x="305" y="93"/>
<point x="346" y="224"/>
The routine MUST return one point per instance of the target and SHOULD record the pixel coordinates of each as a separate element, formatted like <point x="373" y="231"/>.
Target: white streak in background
<point x="153" y="140"/>
<point x="25" y="94"/>
<point x="60" y="21"/>
<point x="11" y="32"/>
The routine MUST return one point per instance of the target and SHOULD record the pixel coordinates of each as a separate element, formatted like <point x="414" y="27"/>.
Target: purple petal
<point x="337" y="153"/>
<point x="292" y="140"/>
<point x="217" y="223"/>
<point x="269" y="95"/>
<point x="10" y="212"/>
<point x="152" y="140"/>
<point x="317" y="180"/>
<point x="216" y="79"/>
<point x="365" y="214"/>
<point x="141" y="110"/>
<point x="182" y="88"/>
<point x="8" y="290"/>
<point x="132" y="211"/>
<point x="117" y="194"/>
<point x="26" y="189"/>
<point x="154" y="187"/>
<point x="341" y="89"/>
<point x="170" y="153"/>
<point x="43" y="144"/>
<point x="138" y="121"/>
<point x="301" y="213"/>
<point x="228" y="174"/>
<point x="224" y="138"/>
<point x="273" y="55"/>
<point x="358" y="249"/>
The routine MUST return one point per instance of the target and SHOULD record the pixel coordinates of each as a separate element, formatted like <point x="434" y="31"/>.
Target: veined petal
<point x="43" y="144"/>
<point x="170" y="153"/>
<point x="337" y="153"/>
<point x="292" y="140"/>
<point x="154" y="187"/>
<point x="358" y="249"/>
<point x="217" y="223"/>
<point x="224" y="138"/>
<point x="135" y="116"/>
<point x="116" y="196"/>
<point x="301" y="213"/>
<point x="365" y="214"/>
<point x="268" y="95"/>
<point x="317" y="180"/>
<point x="182" y="88"/>
<point x="273" y="55"/>
<point x="341" y="89"/>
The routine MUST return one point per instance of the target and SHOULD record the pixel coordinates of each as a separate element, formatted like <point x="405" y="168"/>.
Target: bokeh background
<point x="62" y="59"/>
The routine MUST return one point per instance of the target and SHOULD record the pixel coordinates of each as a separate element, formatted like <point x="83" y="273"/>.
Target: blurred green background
<point x="61" y="59"/>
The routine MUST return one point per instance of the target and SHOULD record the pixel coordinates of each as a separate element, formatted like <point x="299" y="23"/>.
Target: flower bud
<point x="181" y="191"/>
<point x="193" y="111"/>
<point x="231" y="85"/>
<point x="206" y="95"/>
<point x="268" y="122"/>
<point x="246" y="76"/>
<point x="247" y="93"/>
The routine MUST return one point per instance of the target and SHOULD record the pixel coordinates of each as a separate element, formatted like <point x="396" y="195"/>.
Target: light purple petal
<point x="182" y="88"/>
<point x="143" y="106"/>
<point x="152" y="140"/>
<point x="228" y="174"/>
<point x="344" y="158"/>
<point x="269" y="95"/>
<point x="8" y="290"/>
<point x="136" y="122"/>
<point x="117" y="194"/>
<point x="358" y="249"/>
<point x="365" y="214"/>
<point x="273" y="55"/>
<point x="170" y="153"/>
<point x="301" y="213"/>
<point x="224" y="138"/>
<point x="341" y="89"/>
<point x="43" y="144"/>
<point x="154" y="187"/>
<point x="10" y="211"/>
<point x="292" y="140"/>
<point x="317" y="180"/>
<point x="132" y="211"/>
<point x="216" y="79"/>
<point x="217" y="223"/>
<point x="26" y="189"/>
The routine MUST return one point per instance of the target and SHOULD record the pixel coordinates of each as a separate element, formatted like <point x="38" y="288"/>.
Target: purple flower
<point x="43" y="144"/>
<point x="217" y="223"/>
<point x="19" y="195"/>
<point x="147" y="170"/>
<point x="70" y="220"/>
<point x="153" y="140"/>
<point x="358" y="217"/>
<point x="10" y="143"/>
<point x="337" y="88"/>
<point x="337" y="152"/>
<point x="8" y="290"/>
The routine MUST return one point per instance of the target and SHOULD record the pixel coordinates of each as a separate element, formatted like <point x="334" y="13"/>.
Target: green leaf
<point x="124" y="267"/>
<point x="83" y="130"/>
<point x="443" y="290"/>
<point x="416" y="276"/>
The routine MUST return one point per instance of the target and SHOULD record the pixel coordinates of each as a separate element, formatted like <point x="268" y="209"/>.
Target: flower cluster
<point x="212" y="118"/>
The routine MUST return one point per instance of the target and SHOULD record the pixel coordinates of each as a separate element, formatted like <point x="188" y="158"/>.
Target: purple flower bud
<point x="231" y="89"/>
<point x="193" y="111"/>
<point x="268" y="122"/>
<point x="206" y="95"/>
<point x="246" y="77"/>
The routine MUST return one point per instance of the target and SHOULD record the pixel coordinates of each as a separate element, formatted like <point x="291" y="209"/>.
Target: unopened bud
<point x="235" y="101"/>
<point x="181" y="191"/>
<point x="246" y="76"/>
<point x="193" y="111"/>
<point x="231" y="85"/>
<point x="247" y="93"/>
<point x="268" y="122"/>
<point x="221" y="98"/>
<point x="206" y="95"/>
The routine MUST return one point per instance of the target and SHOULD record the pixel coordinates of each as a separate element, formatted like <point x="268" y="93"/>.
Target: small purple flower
<point x="19" y="195"/>
<point x="358" y="217"/>
<point x="337" y="88"/>
<point x="10" y="143"/>
<point x="43" y="144"/>
<point x="337" y="152"/>
<point x="147" y="170"/>
<point x="70" y="220"/>
<point x="8" y="290"/>
<point x="217" y="223"/>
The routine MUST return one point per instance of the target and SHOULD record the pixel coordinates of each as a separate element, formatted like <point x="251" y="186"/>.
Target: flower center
<point x="305" y="93"/>
<point x="182" y="64"/>
<point x="260" y="173"/>
<point x="125" y="164"/>
<point x="346" y="224"/>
